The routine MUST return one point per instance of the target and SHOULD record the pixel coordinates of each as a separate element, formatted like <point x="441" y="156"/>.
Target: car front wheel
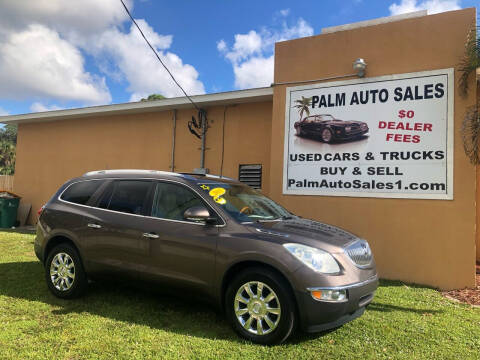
<point x="64" y="272"/>
<point x="260" y="306"/>
<point x="327" y="135"/>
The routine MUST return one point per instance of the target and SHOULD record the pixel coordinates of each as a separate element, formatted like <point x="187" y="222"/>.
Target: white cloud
<point x="256" y="72"/>
<point x="3" y="112"/>
<point x="244" y="46"/>
<point x="37" y="62"/>
<point x="136" y="62"/>
<point x="39" y="107"/>
<point x="432" y="6"/>
<point x="222" y="46"/>
<point x="284" y="12"/>
<point x="251" y="55"/>
<point x="67" y="17"/>
<point x="48" y="41"/>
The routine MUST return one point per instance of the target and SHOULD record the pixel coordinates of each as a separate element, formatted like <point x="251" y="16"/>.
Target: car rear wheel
<point x="299" y="131"/>
<point x="64" y="272"/>
<point x="260" y="306"/>
<point x="327" y="135"/>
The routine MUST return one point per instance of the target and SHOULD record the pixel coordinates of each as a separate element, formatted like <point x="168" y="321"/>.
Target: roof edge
<point x="223" y="98"/>
<point x="376" y="21"/>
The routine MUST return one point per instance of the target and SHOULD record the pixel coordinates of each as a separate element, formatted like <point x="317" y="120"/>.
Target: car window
<point x="243" y="203"/>
<point x="171" y="200"/>
<point x="81" y="192"/>
<point x="128" y="196"/>
<point x="104" y="198"/>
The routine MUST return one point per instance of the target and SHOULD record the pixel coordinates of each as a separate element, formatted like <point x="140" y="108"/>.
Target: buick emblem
<point x="364" y="249"/>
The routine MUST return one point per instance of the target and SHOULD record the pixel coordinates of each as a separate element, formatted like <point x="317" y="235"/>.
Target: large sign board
<point x="390" y="136"/>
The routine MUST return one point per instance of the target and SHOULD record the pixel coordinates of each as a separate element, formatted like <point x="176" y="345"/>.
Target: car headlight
<point x="316" y="259"/>
<point x="348" y="128"/>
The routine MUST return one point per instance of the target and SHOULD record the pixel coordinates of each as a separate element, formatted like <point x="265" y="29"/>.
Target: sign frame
<point x="450" y="93"/>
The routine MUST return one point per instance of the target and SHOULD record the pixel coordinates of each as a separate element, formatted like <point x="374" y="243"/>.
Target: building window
<point x="251" y="175"/>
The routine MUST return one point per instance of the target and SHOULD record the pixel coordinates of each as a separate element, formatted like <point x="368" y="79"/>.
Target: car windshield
<point x="244" y="203"/>
<point x="327" y="117"/>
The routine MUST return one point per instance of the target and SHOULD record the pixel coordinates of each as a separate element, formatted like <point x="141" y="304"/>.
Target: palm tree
<point x="303" y="106"/>
<point x="471" y="123"/>
<point x="470" y="131"/>
<point x="470" y="60"/>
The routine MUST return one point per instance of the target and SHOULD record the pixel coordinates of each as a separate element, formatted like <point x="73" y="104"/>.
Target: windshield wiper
<point x="285" y="217"/>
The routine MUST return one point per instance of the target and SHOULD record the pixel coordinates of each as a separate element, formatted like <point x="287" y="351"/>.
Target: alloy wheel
<point x="62" y="271"/>
<point x="257" y="308"/>
<point x="326" y="135"/>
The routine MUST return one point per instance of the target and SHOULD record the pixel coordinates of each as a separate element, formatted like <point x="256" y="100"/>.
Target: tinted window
<point x="81" y="192"/>
<point x="104" y="200"/>
<point x="171" y="200"/>
<point x="129" y="196"/>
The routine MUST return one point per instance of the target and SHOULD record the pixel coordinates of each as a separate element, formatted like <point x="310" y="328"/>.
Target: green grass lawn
<point x="113" y="322"/>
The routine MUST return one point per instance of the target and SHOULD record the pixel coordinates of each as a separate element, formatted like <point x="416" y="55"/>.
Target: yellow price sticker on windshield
<point x="216" y="194"/>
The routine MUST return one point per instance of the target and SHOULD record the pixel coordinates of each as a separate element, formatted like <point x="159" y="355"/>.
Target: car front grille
<point x="360" y="253"/>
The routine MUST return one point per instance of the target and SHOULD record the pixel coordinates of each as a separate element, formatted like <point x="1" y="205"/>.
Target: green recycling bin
<point x="8" y="211"/>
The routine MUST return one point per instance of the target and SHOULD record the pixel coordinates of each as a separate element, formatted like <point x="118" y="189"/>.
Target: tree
<point x="470" y="60"/>
<point x="468" y="66"/>
<point x="153" y="97"/>
<point x="8" y="141"/>
<point x="303" y="105"/>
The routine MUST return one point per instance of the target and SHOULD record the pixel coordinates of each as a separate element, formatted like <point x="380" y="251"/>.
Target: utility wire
<point x="158" y="57"/>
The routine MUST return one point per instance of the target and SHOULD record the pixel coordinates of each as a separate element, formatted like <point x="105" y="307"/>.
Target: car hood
<point x="307" y="232"/>
<point x="344" y="122"/>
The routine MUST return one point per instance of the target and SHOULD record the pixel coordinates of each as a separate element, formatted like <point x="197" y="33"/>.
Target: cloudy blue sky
<point x="58" y="54"/>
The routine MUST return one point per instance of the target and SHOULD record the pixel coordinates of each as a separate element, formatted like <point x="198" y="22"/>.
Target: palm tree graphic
<point x="303" y="106"/>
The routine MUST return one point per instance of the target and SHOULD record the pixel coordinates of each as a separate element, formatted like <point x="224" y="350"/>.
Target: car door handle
<point x="151" y="235"/>
<point x="94" y="226"/>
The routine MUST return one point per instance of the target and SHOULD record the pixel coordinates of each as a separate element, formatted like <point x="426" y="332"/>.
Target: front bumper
<point x="351" y="135"/>
<point x="323" y="315"/>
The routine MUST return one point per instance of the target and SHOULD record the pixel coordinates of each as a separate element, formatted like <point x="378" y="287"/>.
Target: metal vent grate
<point x="251" y="175"/>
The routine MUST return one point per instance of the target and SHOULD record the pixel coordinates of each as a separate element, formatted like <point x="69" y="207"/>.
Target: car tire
<point x="327" y="136"/>
<point x="274" y="329"/>
<point x="64" y="272"/>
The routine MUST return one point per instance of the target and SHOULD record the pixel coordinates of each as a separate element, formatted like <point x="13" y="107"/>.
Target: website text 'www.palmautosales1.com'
<point x="366" y="185"/>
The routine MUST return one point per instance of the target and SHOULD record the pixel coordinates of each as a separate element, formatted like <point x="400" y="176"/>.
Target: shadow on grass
<point x="184" y="315"/>
<point x="142" y="306"/>
<point x="389" y="308"/>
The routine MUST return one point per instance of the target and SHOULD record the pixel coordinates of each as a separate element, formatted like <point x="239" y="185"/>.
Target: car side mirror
<point x="199" y="214"/>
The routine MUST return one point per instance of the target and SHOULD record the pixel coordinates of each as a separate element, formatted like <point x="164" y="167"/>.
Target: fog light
<point x="330" y="295"/>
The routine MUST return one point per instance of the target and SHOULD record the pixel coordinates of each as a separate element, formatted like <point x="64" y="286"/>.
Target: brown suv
<point x="268" y="269"/>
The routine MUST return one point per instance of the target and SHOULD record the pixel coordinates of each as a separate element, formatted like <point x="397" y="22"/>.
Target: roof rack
<point x="207" y="175"/>
<point x="128" y="171"/>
